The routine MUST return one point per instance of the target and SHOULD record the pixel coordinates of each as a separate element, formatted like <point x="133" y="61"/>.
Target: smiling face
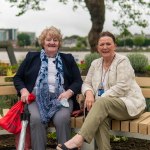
<point x="50" y="40"/>
<point x="51" y="45"/>
<point x="106" y="47"/>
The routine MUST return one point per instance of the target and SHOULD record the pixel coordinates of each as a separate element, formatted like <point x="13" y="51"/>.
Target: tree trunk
<point x="11" y="55"/>
<point x="97" y="12"/>
<point x="10" y="52"/>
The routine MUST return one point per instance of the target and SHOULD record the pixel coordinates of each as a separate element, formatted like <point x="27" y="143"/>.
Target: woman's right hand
<point x="89" y="100"/>
<point x="24" y="95"/>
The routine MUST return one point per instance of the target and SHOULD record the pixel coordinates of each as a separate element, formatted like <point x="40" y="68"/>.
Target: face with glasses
<point x="106" y="47"/>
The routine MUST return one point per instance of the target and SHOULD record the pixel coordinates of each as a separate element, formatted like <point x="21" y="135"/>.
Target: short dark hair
<point x="107" y="33"/>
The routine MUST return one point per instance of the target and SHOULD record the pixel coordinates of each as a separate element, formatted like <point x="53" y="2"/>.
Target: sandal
<point x="63" y="147"/>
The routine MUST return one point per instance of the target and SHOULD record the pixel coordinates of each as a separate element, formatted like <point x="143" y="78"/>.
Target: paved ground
<point x="7" y="143"/>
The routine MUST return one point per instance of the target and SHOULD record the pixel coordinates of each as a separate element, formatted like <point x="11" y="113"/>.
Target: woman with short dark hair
<point x="111" y="92"/>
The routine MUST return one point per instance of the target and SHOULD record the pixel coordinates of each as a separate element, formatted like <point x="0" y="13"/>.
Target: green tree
<point x="129" y="42"/>
<point x="138" y="40"/>
<point x="130" y="13"/>
<point x="23" y="39"/>
<point x="124" y="35"/>
<point x="81" y="42"/>
<point x="119" y="41"/>
<point x="147" y="42"/>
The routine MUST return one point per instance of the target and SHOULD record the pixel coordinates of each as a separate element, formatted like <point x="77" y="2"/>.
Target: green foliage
<point x="129" y="42"/>
<point x="138" y="62"/>
<point x="8" y="70"/>
<point x="124" y="42"/>
<point x="147" y="42"/>
<point x="114" y="138"/>
<point x="3" y="70"/>
<point x="7" y="102"/>
<point x="125" y="33"/>
<point x="24" y="39"/>
<point x="89" y="58"/>
<point x="52" y="135"/>
<point x="130" y="13"/>
<point x="81" y="42"/>
<point x="82" y="66"/>
<point x="25" y="5"/>
<point x="147" y="68"/>
<point x="138" y="40"/>
<point x="119" y="42"/>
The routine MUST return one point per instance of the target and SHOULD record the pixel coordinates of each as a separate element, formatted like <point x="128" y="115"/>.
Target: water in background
<point x="79" y="56"/>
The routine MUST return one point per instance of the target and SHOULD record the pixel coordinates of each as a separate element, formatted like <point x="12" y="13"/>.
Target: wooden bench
<point x="138" y="128"/>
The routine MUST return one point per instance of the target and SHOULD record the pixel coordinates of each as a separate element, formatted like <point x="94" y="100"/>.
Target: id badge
<point x="100" y="92"/>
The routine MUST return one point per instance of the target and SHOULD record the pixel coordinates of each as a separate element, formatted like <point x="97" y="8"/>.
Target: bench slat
<point x="146" y="92"/>
<point x="134" y="124"/>
<point x="116" y="125"/>
<point x="148" y="129"/>
<point x="72" y="122"/>
<point x="143" y="126"/>
<point x="125" y="126"/>
<point x="79" y="121"/>
<point x="7" y="90"/>
<point x="143" y="81"/>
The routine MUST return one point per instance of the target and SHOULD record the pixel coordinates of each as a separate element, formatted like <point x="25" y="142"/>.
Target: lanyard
<point x="103" y="76"/>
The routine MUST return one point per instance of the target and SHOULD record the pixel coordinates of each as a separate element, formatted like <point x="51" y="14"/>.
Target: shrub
<point x="3" y="70"/>
<point x="138" y="40"/>
<point x="89" y="58"/>
<point x="147" y="68"/>
<point x="139" y="62"/>
<point x="82" y="66"/>
<point x="8" y="70"/>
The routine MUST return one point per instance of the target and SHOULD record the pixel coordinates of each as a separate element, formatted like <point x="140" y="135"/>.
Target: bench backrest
<point x="143" y="82"/>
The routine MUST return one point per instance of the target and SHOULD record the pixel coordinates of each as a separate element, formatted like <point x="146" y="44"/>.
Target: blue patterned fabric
<point x="48" y="103"/>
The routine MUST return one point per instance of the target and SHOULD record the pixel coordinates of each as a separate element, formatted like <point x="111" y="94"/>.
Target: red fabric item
<point x="77" y="113"/>
<point x="31" y="98"/>
<point x="11" y="121"/>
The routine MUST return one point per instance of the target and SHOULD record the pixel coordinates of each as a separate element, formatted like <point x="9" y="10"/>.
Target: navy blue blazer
<point x="28" y="71"/>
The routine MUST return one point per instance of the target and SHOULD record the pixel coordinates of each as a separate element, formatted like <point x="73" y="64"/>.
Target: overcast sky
<point x="56" y="14"/>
